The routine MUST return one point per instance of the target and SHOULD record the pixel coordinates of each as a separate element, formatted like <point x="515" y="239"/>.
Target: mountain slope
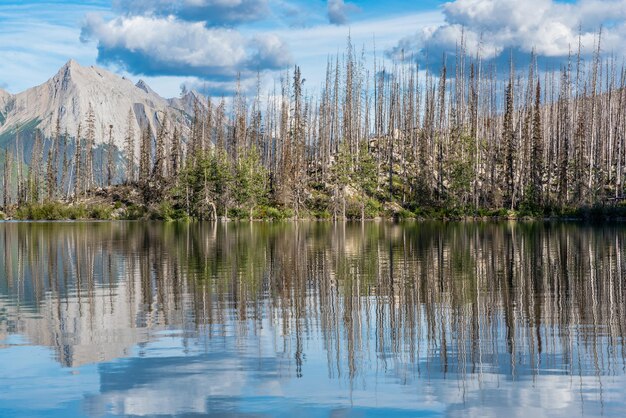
<point x="188" y="102"/>
<point x="72" y="91"/>
<point x="5" y="97"/>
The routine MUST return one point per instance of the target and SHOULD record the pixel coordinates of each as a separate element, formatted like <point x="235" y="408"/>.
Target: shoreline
<point x="395" y="220"/>
<point x="88" y="209"/>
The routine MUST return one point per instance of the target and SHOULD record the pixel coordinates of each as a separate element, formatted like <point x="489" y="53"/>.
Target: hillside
<point x="73" y="89"/>
<point x="5" y="96"/>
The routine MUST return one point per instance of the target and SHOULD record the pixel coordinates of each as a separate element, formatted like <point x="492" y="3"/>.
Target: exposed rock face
<point x="74" y="88"/>
<point x="188" y="102"/>
<point x="4" y="98"/>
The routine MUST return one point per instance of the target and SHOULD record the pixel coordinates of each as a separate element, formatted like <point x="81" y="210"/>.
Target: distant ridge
<point x="74" y="88"/>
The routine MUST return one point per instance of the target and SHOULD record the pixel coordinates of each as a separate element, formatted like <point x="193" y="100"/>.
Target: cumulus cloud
<point x="338" y="11"/>
<point x="199" y="40"/>
<point x="550" y="28"/>
<point x="212" y="12"/>
<point x="167" y="46"/>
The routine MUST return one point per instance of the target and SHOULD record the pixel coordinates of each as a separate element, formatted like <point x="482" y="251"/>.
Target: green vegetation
<point x="355" y="210"/>
<point x="57" y="211"/>
<point x="459" y="144"/>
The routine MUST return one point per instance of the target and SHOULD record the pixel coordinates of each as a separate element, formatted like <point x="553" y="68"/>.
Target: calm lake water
<point x="312" y="320"/>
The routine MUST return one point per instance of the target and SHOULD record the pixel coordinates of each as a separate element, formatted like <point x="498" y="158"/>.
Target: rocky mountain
<point x="5" y="96"/>
<point x="74" y="89"/>
<point x="188" y="102"/>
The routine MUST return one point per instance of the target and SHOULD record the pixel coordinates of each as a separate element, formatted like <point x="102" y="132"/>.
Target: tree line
<point x="374" y="139"/>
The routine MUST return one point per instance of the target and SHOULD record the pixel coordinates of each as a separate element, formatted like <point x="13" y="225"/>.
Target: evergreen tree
<point x="249" y="181"/>
<point x="110" y="158"/>
<point x="365" y="176"/>
<point x="340" y="177"/>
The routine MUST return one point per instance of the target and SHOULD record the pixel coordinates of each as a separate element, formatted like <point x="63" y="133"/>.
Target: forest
<point x="467" y="139"/>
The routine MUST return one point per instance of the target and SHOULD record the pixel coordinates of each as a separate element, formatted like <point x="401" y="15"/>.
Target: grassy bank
<point x="55" y="211"/>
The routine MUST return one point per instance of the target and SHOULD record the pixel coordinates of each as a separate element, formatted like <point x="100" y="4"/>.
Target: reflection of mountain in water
<point x="82" y="297"/>
<point x="412" y="301"/>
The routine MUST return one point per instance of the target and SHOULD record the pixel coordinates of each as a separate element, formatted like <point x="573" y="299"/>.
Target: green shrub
<point x="41" y="212"/>
<point x="353" y="209"/>
<point x="502" y="213"/>
<point x="100" y="212"/>
<point x="134" y="212"/>
<point x="420" y="212"/>
<point x="167" y="212"/>
<point x="319" y="202"/>
<point x="58" y="211"/>
<point x="527" y="212"/>
<point x="268" y="212"/>
<point x="238" y="213"/>
<point x="321" y="214"/>
<point x="371" y="209"/>
<point x="569" y="212"/>
<point x="403" y="214"/>
<point x="600" y="212"/>
<point x="288" y="213"/>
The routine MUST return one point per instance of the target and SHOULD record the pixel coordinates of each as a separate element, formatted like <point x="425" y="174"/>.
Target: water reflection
<point x="138" y="319"/>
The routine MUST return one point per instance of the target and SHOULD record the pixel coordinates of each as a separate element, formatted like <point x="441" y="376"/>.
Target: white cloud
<point x="168" y="46"/>
<point x="208" y="11"/>
<point x="338" y="11"/>
<point x="546" y="26"/>
<point x="35" y="42"/>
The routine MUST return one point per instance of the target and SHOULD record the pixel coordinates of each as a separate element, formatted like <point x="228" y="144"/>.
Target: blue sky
<point x="207" y="44"/>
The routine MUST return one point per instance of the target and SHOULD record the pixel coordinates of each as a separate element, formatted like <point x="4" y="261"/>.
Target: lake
<point x="312" y="319"/>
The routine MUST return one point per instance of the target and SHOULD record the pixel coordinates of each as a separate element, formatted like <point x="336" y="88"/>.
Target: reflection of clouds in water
<point x="218" y="383"/>
<point x="195" y="384"/>
<point x="453" y="320"/>
<point x="182" y="375"/>
<point x="546" y="396"/>
<point x="172" y="395"/>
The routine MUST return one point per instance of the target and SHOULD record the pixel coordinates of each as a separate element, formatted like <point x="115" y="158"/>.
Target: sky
<point x="210" y="44"/>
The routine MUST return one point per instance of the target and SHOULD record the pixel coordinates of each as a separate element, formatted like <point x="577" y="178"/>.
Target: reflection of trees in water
<point x="426" y="299"/>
